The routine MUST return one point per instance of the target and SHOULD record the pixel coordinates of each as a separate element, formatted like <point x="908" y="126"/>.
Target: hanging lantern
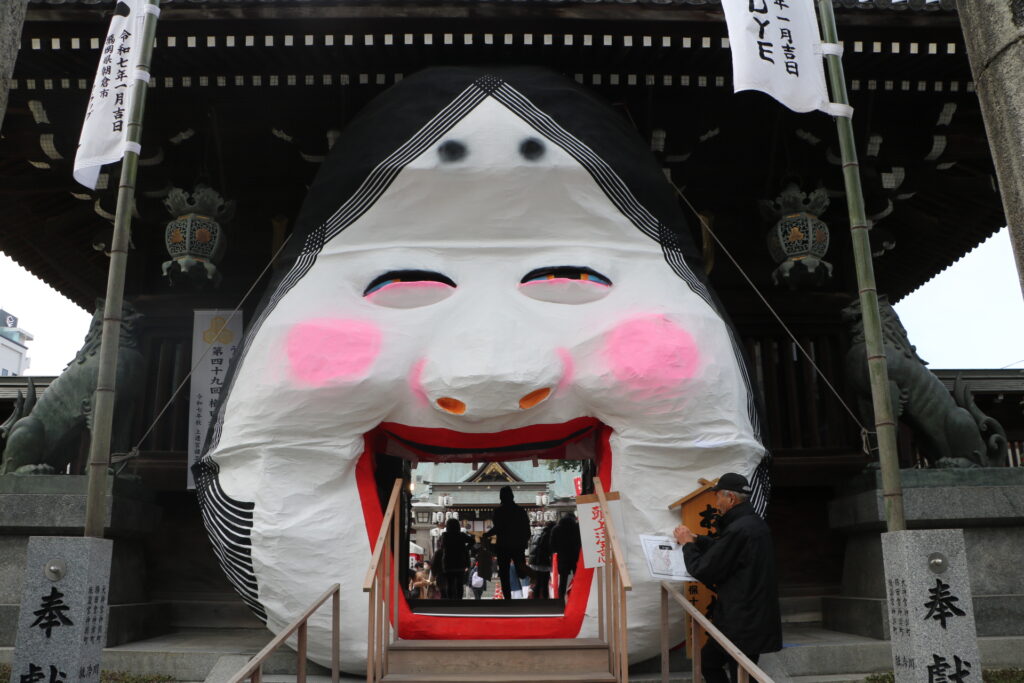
<point x="194" y="238"/>
<point x="799" y="239"/>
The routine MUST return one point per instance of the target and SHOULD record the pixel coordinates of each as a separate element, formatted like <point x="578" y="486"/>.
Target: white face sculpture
<point x="491" y="287"/>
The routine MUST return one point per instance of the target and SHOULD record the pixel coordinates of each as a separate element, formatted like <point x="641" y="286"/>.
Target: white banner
<point x="105" y="129"/>
<point x="776" y="48"/>
<point x="593" y="529"/>
<point x="215" y="336"/>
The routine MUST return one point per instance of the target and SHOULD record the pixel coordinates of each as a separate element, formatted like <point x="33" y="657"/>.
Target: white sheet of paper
<point x="664" y="558"/>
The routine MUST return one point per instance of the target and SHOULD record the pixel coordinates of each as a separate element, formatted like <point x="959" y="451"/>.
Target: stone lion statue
<point x="42" y="435"/>
<point x="951" y="433"/>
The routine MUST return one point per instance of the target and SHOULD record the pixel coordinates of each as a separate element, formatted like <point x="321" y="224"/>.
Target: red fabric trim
<point x="418" y="626"/>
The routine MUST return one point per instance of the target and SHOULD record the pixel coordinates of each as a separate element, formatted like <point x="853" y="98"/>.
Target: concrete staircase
<point x="571" y="660"/>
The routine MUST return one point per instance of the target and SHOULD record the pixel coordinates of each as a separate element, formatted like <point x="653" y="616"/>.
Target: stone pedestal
<point x="63" y="609"/>
<point x="929" y="594"/>
<point x="988" y="504"/>
<point x="54" y="505"/>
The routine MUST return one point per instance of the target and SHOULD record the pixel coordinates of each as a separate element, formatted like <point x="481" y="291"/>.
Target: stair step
<point x="596" y="677"/>
<point x="529" y="644"/>
<point x="833" y="678"/>
<point x="486" y="658"/>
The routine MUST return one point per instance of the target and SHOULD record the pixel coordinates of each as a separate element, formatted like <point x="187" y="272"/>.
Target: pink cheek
<point x="325" y="350"/>
<point x="651" y="353"/>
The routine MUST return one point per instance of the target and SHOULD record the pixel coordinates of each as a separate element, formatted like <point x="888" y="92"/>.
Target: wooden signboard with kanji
<point x="593" y="536"/>
<point x="697" y="511"/>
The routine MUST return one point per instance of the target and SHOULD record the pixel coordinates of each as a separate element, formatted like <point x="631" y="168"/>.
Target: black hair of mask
<point x="406" y="112"/>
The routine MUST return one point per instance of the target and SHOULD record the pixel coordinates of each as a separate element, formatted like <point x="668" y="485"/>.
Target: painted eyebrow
<point x="569" y="272"/>
<point x="407" y="276"/>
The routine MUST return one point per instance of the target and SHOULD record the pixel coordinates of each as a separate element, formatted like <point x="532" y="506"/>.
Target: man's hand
<point x="683" y="535"/>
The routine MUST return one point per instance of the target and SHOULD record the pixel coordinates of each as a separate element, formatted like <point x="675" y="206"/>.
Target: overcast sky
<point x="969" y="316"/>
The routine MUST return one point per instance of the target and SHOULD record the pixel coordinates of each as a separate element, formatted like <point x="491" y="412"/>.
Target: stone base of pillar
<point x="54" y="505"/>
<point x="988" y="504"/>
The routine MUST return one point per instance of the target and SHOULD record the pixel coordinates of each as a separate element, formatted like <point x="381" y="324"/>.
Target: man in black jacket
<point x="512" y="527"/>
<point x="739" y="565"/>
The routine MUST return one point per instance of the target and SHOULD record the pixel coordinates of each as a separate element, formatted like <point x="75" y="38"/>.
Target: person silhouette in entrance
<point x="512" y="531"/>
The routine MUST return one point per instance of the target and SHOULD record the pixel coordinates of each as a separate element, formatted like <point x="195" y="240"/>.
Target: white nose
<point x="489" y="374"/>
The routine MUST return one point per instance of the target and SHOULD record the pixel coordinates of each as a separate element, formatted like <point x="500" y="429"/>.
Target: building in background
<point x="453" y="489"/>
<point x="14" y="358"/>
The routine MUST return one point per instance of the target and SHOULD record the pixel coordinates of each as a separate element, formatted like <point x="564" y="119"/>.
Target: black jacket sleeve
<point x="711" y="561"/>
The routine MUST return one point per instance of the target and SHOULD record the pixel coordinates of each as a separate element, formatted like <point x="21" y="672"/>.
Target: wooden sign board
<point x="697" y="511"/>
<point x="593" y="536"/>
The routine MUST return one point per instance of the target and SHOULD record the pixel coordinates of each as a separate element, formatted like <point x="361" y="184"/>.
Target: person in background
<point x="739" y="565"/>
<point x="454" y="548"/>
<point x="477" y="583"/>
<point x="512" y="529"/>
<point x="435" y="567"/>
<point x="565" y="542"/>
<point x="540" y="562"/>
<point x="419" y="586"/>
<point x="485" y="561"/>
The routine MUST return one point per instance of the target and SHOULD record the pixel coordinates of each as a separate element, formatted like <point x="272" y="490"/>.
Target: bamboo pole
<point x="885" y="424"/>
<point x="103" y="401"/>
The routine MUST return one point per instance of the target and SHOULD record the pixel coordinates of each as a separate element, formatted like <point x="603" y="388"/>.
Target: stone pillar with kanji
<point x="62" y="623"/>
<point x="931" y="615"/>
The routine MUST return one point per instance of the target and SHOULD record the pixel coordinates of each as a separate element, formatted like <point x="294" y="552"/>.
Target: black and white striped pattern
<point x="228" y="523"/>
<point x="364" y="197"/>
<point x="620" y="195"/>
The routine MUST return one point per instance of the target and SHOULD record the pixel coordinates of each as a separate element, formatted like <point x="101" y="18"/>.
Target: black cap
<point x="732" y="481"/>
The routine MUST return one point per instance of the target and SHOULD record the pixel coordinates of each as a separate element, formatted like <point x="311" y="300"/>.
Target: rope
<point x="196" y="364"/>
<point x="864" y="431"/>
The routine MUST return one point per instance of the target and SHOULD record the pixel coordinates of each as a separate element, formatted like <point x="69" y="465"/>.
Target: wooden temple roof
<point x="248" y="95"/>
<point x="900" y="5"/>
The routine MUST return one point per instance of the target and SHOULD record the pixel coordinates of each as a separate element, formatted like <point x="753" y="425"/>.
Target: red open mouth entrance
<point x="387" y="453"/>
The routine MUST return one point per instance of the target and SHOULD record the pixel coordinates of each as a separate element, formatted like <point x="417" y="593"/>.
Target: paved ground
<point x="811" y="655"/>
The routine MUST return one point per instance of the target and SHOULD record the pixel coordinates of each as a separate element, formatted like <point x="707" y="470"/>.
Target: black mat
<point x="489" y="608"/>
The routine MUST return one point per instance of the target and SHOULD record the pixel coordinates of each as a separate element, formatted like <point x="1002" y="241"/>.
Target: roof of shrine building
<point x="295" y="71"/>
<point x="926" y="5"/>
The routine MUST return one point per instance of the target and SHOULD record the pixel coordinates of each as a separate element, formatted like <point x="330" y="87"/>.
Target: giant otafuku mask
<point x="490" y="265"/>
